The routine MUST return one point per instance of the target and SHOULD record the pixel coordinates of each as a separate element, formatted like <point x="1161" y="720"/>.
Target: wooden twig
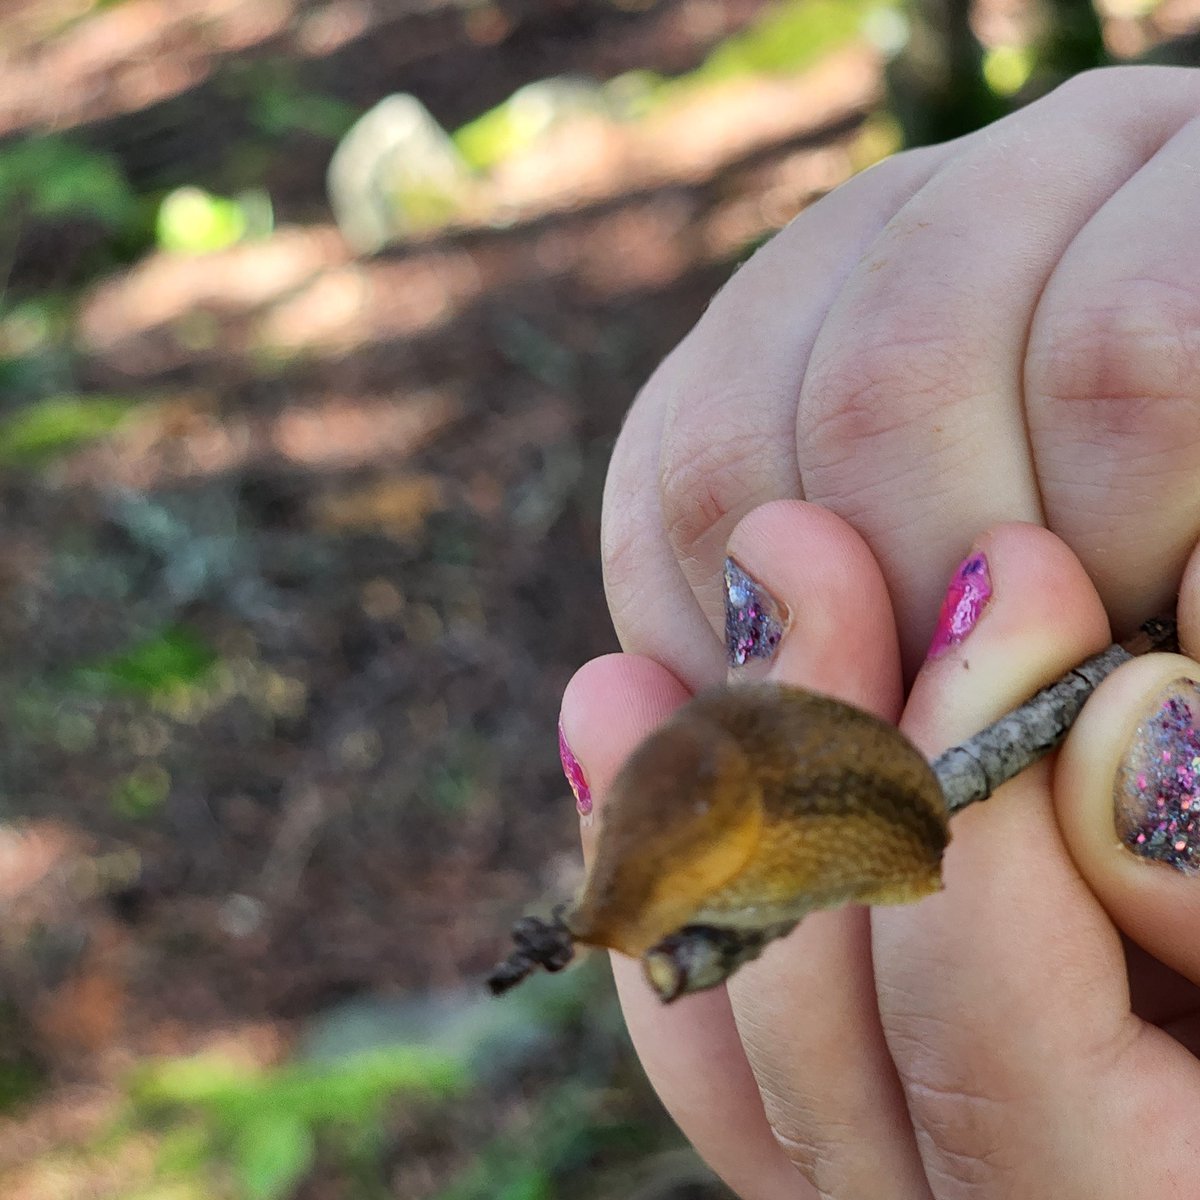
<point x="974" y="769"/>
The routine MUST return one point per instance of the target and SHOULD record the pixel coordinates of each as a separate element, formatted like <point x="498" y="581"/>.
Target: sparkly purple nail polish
<point x="575" y="777"/>
<point x="753" y="621"/>
<point x="1157" y="797"/>
<point x="968" y="593"/>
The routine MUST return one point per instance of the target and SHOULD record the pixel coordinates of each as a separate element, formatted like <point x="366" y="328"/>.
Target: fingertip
<point x="610" y="704"/>
<point x="690" y="1050"/>
<point x="954" y="970"/>
<point x="1035" y="615"/>
<point x="837" y="633"/>
<point x="1127" y="795"/>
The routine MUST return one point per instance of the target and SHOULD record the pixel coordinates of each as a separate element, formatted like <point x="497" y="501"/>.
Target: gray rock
<point x="396" y="172"/>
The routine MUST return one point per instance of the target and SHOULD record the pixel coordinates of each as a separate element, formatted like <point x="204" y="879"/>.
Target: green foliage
<point x="272" y="1154"/>
<point x="20" y="1081"/>
<point x="142" y="792"/>
<point x="193" y="221"/>
<point x="52" y="177"/>
<point x="788" y="38"/>
<point x="175" y="658"/>
<point x="47" y="428"/>
<point x="280" y="109"/>
<point x="569" y="1133"/>
<point x="1007" y="68"/>
<point x="278" y="103"/>
<point x="21" y="1077"/>
<point x="264" y="1127"/>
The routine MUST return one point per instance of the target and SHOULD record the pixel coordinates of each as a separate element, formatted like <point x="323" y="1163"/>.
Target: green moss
<point x="47" y="428"/>
<point x="53" y="177"/>
<point x="173" y="658"/>
<point x="263" y="1126"/>
<point x="787" y="39"/>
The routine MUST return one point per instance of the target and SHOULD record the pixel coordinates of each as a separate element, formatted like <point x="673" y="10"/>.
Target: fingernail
<point x="1157" y="798"/>
<point x="575" y="777"/>
<point x="968" y="593"/>
<point x="754" y="622"/>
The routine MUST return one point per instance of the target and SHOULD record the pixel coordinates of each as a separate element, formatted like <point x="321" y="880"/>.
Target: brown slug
<point x="756" y="804"/>
<point x="738" y="813"/>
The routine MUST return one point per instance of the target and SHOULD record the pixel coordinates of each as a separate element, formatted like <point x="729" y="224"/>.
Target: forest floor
<point x="283" y="648"/>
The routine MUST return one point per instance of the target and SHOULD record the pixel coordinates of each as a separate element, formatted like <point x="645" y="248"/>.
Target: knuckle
<point x="869" y="392"/>
<point x="963" y="1127"/>
<point x="1123" y="365"/>
<point x="802" y="1152"/>
<point x="960" y="1135"/>
<point x="708" y="479"/>
<point x="624" y="556"/>
<point x="629" y="517"/>
<point x="1087" y="87"/>
<point x="1093" y="91"/>
<point x="821" y="1159"/>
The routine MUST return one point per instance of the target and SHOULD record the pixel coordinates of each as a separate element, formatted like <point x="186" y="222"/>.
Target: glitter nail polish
<point x="966" y="597"/>
<point x="754" y="622"/>
<point x="1157" y="797"/>
<point x="575" y="776"/>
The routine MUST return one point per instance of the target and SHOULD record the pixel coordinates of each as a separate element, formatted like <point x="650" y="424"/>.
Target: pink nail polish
<point x="575" y="777"/>
<point x="1157" y="794"/>
<point x="966" y="597"/>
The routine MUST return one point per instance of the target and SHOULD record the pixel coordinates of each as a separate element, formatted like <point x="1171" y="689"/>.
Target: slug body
<point x="752" y="806"/>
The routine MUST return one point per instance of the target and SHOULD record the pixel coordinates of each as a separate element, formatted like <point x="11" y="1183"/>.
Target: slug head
<point x="684" y="817"/>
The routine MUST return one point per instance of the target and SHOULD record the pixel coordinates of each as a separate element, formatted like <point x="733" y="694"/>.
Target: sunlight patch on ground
<point x="397" y="506"/>
<point x="125" y="56"/>
<point x="306" y="297"/>
<point x="694" y="138"/>
<point x="191" y="438"/>
<point x="371" y="302"/>
<point x="352" y="431"/>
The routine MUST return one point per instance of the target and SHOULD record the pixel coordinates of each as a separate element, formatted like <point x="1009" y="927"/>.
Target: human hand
<point x="999" y="329"/>
<point x="995" y="1040"/>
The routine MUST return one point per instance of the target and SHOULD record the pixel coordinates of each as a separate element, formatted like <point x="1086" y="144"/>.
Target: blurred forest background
<point x="317" y="322"/>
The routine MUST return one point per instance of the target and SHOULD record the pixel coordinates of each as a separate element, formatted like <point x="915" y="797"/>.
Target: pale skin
<point x="1002" y="330"/>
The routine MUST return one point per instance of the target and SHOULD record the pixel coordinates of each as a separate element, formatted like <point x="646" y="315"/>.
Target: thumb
<point x="1127" y="790"/>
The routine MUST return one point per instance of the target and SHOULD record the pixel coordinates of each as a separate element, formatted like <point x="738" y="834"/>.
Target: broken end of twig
<point x="1159" y="633"/>
<point x="538" y="943"/>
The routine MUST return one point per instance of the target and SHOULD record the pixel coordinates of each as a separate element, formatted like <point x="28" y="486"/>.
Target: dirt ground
<point x="370" y="491"/>
<point x="364" y="494"/>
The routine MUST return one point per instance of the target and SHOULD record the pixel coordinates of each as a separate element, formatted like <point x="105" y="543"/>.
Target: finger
<point x="652" y="607"/>
<point x="716" y="424"/>
<point x="1112" y="387"/>
<point x="830" y="1091"/>
<point x="730" y="394"/>
<point x="1124" y="789"/>
<point x="1127" y="792"/>
<point x="910" y="422"/>
<point x="1004" y="999"/>
<point x="690" y="1050"/>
